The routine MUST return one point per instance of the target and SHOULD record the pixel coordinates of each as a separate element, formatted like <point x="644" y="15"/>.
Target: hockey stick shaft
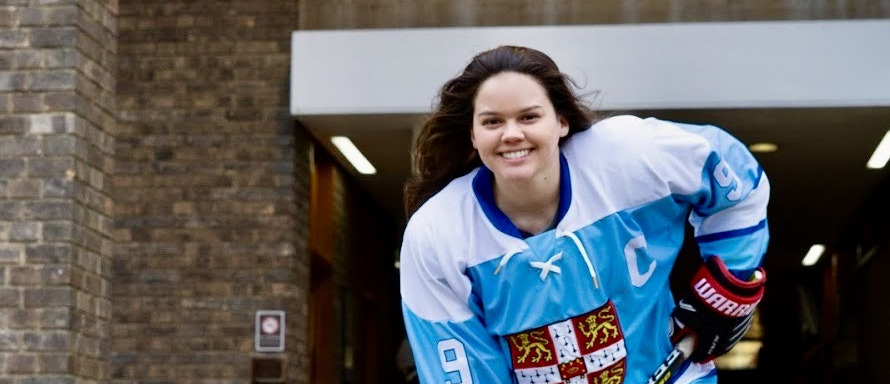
<point x="672" y="362"/>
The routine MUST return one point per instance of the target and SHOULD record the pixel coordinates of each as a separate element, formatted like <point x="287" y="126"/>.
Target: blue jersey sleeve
<point x="729" y="208"/>
<point x="457" y="352"/>
<point x="448" y="338"/>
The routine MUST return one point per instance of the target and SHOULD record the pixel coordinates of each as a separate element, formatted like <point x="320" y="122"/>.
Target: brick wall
<point x="211" y="191"/>
<point x="56" y="142"/>
<point x="346" y="14"/>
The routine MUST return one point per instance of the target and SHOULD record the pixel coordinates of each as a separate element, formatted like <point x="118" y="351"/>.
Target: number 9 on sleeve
<point x="453" y="357"/>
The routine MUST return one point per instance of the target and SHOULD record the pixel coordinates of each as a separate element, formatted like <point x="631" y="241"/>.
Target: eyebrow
<point x="529" y="109"/>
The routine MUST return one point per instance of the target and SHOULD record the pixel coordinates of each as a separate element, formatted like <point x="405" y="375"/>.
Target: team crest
<point x="586" y="349"/>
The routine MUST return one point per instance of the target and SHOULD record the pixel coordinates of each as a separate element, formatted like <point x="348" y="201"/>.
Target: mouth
<point x="515" y="154"/>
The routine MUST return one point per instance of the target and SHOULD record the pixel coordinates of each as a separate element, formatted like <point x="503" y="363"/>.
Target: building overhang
<point x="832" y="63"/>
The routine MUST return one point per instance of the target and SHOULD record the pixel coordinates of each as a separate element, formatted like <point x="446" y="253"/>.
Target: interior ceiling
<point x="818" y="176"/>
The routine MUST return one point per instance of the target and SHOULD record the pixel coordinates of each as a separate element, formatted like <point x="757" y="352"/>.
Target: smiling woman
<point x="540" y="243"/>
<point x="515" y="132"/>
<point x="445" y="148"/>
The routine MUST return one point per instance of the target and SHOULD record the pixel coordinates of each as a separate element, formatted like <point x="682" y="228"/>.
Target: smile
<point x="516" y="154"/>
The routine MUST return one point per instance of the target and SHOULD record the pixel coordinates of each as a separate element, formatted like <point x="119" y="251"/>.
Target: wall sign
<point x="269" y="334"/>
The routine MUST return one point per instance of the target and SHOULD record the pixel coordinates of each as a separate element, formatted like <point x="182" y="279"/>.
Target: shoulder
<point x="433" y="255"/>
<point x="635" y="161"/>
<point x="442" y="206"/>
<point x="631" y="129"/>
<point x="451" y="228"/>
<point x="633" y="138"/>
<point x="436" y="221"/>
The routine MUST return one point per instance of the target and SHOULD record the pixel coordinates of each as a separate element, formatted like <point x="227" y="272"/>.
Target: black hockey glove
<point x="718" y="311"/>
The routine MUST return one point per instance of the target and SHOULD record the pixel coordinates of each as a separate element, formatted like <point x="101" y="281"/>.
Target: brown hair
<point x="443" y="150"/>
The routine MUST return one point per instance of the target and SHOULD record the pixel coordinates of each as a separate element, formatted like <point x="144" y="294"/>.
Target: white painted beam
<point x="834" y="63"/>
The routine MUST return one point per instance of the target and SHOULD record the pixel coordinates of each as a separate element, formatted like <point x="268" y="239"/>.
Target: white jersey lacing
<point x="548" y="266"/>
<point x="581" y="249"/>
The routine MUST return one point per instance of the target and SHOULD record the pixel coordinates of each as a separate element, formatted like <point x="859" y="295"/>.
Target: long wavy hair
<point x="443" y="150"/>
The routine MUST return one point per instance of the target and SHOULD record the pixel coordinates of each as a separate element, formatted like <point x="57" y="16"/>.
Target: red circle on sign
<point x="269" y="325"/>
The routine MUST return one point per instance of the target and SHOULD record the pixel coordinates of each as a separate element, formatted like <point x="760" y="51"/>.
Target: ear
<point x="473" y="138"/>
<point x="563" y="126"/>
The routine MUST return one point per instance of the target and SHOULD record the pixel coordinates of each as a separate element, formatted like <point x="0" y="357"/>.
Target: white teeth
<point x="516" y="155"/>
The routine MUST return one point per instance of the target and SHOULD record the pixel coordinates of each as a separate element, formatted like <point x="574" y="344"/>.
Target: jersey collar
<point x="483" y="189"/>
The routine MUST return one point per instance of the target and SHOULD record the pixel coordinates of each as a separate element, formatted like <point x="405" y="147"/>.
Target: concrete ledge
<point x="837" y="63"/>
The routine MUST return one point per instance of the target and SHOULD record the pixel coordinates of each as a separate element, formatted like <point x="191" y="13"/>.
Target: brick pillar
<point x="56" y="120"/>
<point x="211" y="191"/>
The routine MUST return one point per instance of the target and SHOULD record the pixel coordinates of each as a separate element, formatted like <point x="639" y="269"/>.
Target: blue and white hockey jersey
<point x="588" y="301"/>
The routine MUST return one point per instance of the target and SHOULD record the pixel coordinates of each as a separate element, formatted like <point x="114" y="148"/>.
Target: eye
<point x="488" y="122"/>
<point x="530" y="117"/>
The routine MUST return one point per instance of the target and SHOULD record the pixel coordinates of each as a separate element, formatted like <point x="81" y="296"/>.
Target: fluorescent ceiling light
<point x="355" y="157"/>
<point x="813" y="255"/>
<point x="763" y="147"/>
<point x="882" y="154"/>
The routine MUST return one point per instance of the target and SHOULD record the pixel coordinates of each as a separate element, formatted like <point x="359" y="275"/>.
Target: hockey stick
<point x="672" y="362"/>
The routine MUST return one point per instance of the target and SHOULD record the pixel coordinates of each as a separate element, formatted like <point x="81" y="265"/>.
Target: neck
<point x="531" y="206"/>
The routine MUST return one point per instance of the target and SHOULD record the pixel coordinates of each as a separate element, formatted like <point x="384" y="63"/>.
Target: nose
<point x="512" y="131"/>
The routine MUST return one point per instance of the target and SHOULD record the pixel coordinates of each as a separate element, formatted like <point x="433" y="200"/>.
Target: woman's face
<point x="515" y="128"/>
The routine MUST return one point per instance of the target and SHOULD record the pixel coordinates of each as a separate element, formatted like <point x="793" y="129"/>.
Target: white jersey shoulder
<point x="625" y="161"/>
<point x="453" y="220"/>
<point x="448" y="234"/>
